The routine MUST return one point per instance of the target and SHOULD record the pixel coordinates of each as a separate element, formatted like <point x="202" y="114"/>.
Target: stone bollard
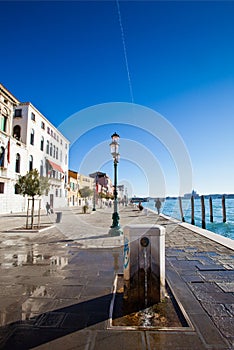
<point x="144" y="264"/>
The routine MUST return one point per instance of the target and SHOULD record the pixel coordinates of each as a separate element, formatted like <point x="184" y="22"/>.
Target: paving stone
<point x="216" y="310"/>
<point x="75" y="321"/>
<point x="225" y="325"/>
<point x="210" y="334"/>
<point x="119" y="340"/>
<point x="226" y="287"/>
<point x="80" y="340"/>
<point x="218" y="276"/>
<point x="209" y="292"/>
<point x="192" y="278"/>
<point x="213" y="267"/>
<point x="185" y="264"/>
<point x="230" y="308"/>
<point x="176" y="341"/>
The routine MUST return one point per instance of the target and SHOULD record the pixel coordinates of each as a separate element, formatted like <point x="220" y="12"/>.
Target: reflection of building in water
<point x="31" y="256"/>
<point x="58" y="261"/>
<point x="32" y="306"/>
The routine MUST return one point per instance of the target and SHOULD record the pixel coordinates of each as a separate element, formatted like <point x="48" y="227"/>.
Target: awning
<point x="55" y="166"/>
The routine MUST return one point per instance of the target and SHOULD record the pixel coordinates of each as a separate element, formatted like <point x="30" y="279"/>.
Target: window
<point x="66" y="159"/>
<point x="3" y="123"/>
<point x="41" y="168"/>
<point x="65" y="146"/>
<point x="48" y="130"/>
<point x="17" y="189"/>
<point x="18" y="113"/>
<point x="2" y="156"/>
<point x="1" y="187"/>
<point x="51" y="133"/>
<point x="17" y="132"/>
<point x="56" y="152"/>
<point x="30" y="163"/>
<point x="32" y="137"/>
<point x="51" y="149"/>
<point x="61" y="156"/>
<point x="17" y="163"/>
<point x="56" y="192"/>
<point x="43" y="125"/>
<point x="47" y="147"/>
<point x="33" y="117"/>
<point x="42" y="143"/>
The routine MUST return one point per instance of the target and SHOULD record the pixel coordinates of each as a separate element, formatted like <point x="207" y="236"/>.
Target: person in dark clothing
<point x="158" y="205"/>
<point x="140" y="206"/>
<point x="48" y="210"/>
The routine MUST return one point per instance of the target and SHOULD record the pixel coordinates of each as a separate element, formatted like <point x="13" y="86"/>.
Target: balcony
<point x="54" y="181"/>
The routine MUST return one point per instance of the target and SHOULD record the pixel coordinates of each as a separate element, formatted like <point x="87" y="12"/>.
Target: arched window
<point x="42" y="143"/>
<point x="17" y="163"/>
<point x="30" y="163"/>
<point x="51" y="149"/>
<point x="32" y="137"/>
<point x="54" y="151"/>
<point x="47" y="147"/>
<point x="17" y="132"/>
<point x="2" y="156"/>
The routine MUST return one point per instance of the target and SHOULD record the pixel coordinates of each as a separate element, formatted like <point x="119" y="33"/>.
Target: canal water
<point x="170" y="207"/>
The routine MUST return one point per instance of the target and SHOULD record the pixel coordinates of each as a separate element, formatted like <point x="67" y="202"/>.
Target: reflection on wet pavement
<point x="39" y="278"/>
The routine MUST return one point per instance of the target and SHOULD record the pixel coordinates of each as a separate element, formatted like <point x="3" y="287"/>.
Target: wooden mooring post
<point x="224" y="209"/>
<point x="181" y="210"/>
<point x="203" y="212"/>
<point x="211" y="210"/>
<point x="192" y="211"/>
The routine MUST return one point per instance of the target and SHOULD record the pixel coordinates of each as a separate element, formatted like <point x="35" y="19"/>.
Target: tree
<point x="32" y="185"/>
<point x="86" y="192"/>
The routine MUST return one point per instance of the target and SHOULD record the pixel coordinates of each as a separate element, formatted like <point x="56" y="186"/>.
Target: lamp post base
<point x="115" y="231"/>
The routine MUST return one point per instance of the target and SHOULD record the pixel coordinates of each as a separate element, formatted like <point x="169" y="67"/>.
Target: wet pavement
<point x="56" y="284"/>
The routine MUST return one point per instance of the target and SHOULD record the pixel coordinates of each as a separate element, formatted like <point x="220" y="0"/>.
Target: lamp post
<point x="114" y="146"/>
<point x="94" y="193"/>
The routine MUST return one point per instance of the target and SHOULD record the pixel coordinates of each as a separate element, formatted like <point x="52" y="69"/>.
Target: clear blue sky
<point x="67" y="56"/>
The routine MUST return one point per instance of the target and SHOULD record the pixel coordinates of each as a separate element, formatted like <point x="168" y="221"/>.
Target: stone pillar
<point x="144" y="264"/>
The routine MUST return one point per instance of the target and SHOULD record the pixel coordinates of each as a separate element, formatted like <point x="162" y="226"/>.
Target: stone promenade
<point x="56" y="284"/>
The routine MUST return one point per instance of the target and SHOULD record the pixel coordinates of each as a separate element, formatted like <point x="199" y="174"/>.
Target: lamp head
<point x="114" y="146"/>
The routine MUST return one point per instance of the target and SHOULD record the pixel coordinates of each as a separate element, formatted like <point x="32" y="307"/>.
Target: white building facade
<point x="30" y="141"/>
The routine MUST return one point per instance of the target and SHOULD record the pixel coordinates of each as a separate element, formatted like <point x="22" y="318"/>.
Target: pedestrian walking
<point x="158" y="205"/>
<point x="48" y="210"/>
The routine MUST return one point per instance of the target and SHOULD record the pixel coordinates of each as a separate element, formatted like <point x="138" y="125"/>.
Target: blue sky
<point x="65" y="57"/>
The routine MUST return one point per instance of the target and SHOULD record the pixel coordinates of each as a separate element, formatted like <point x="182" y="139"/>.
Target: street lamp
<point x="114" y="147"/>
<point x="94" y="193"/>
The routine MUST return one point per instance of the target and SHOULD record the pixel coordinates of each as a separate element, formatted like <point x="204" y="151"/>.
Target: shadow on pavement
<point x="57" y="323"/>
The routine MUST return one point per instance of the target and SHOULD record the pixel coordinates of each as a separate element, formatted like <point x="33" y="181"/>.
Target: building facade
<point x="76" y="182"/>
<point x="29" y="141"/>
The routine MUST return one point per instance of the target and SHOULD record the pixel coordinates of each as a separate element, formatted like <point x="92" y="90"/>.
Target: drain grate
<point x="50" y="320"/>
